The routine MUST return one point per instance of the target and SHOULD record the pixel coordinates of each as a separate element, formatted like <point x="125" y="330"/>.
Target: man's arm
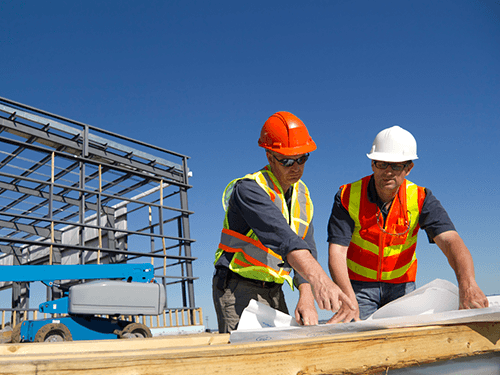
<point x="460" y="259"/>
<point x="326" y="293"/>
<point x="337" y="264"/>
<point x="305" y="311"/>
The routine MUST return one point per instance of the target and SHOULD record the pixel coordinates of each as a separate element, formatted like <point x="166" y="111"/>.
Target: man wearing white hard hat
<point x="373" y="227"/>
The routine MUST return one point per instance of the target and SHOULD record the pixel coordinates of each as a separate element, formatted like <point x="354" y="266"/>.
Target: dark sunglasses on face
<point x="395" y="166"/>
<point x="290" y="162"/>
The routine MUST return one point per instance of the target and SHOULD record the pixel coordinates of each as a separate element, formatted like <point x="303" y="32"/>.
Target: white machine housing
<point x="111" y="297"/>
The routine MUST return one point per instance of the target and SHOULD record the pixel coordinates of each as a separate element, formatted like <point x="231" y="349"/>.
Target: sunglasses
<point x="394" y="166"/>
<point x="289" y="162"/>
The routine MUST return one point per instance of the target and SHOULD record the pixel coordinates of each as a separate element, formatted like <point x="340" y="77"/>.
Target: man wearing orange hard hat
<point x="373" y="227"/>
<point x="268" y="231"/>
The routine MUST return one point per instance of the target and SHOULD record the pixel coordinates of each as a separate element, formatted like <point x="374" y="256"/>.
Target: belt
<point x="259" y="283"/>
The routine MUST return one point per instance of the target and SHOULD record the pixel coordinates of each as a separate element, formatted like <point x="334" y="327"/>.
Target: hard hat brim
<point x="391" y="158"/>
<point x="292" y="151"/>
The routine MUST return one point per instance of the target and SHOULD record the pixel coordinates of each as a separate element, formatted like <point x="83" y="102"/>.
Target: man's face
<point x="286" y="176"/>
<point x="386" y="178"/>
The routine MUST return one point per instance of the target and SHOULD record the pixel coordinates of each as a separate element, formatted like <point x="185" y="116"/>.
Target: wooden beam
<point x="367" y="353"/>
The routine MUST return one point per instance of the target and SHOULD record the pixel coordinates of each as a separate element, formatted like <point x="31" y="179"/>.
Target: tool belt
<point x="225" y="274"/>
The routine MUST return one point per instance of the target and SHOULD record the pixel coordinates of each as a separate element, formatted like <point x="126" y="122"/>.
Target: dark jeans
<point x="371" y="296"/>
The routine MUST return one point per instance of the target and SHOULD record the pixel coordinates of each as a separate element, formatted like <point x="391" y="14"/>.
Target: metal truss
<point x="72" y="193"/>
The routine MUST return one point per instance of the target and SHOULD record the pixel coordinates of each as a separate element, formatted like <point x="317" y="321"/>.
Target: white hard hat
<point x="394" y="145"/>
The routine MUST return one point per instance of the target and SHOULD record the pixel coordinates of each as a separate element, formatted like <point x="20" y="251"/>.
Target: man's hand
<point x="327" y="294"/>
<point x="334" y="299"/>
<point x="305" y="312"/>
<point x="472" y="297"/>
<point x="346" y="316"/>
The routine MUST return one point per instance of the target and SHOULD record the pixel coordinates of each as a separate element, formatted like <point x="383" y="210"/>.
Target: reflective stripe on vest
<point x="375" y="255"/>
<point x="251" y="258"/>
<point x="256" y="253"/>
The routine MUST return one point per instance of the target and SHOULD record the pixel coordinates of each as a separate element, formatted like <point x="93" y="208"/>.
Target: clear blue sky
<point x="201" y="77"/>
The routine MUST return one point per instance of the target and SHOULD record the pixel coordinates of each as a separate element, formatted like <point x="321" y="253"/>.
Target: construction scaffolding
<point x="72" y="193"/>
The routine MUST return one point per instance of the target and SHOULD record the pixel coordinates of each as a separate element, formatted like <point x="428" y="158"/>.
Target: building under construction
<point x="73" y="193"/>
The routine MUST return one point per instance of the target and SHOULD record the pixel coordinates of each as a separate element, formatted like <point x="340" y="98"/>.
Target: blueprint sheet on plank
<point x="434" y="303"/>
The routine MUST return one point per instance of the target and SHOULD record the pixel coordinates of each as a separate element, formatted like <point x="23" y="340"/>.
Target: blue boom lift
<point x="131" y="292"/>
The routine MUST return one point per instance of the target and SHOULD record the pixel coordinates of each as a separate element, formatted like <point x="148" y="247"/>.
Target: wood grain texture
<point x="366" y="353"/>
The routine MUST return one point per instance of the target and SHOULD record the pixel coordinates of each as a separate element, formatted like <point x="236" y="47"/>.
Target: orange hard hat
<point x="286" y="134"/>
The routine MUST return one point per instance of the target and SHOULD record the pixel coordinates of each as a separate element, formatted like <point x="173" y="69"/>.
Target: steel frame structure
<point x="72" y="193"/>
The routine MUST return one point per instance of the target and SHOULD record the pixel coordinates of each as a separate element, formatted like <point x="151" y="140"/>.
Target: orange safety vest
<point x="251" y="258"/>
<point x="383" y="251"/>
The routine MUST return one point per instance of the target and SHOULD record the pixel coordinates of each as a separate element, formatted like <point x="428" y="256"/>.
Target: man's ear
<point x="269" y="157"/>
<point x="409" y="168"/>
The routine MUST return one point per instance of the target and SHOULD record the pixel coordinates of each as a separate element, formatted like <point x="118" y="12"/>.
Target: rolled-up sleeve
<point x="434" y="219"/>
<point x="340" y="225"/>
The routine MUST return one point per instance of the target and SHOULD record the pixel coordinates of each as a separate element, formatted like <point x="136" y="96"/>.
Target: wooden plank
<point x="98" y="346"/>
<point x="366" y="353"/>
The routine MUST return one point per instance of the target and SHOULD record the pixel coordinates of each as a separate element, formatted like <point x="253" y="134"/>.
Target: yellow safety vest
<point x="251" y="258"/>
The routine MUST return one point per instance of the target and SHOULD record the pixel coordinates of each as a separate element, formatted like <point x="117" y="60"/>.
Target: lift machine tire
<point x="53" y="332"/>
<point x="135" y="330"/>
